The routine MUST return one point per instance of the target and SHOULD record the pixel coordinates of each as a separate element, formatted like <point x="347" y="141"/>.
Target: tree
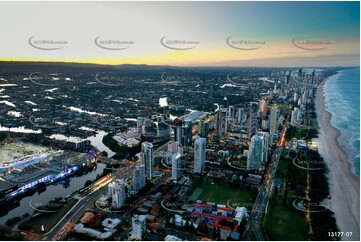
<point x="12" y="221"/>
<point x="6" y="234"/>
<point x="276" y="190"/>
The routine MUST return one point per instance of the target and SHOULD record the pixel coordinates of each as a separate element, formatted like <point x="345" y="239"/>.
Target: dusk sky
<point x="280" y="29"/>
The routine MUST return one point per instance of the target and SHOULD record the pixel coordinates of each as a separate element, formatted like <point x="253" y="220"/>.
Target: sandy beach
<point x="344" y="185"/>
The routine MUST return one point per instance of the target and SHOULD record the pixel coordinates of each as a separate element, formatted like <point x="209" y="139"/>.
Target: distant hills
<point x="31" y="66"/>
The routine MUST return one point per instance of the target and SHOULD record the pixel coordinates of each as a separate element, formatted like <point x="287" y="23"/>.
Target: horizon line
<point x="155" y="65"/>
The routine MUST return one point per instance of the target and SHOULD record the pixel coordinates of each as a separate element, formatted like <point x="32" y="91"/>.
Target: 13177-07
<point x="339" y="234"/>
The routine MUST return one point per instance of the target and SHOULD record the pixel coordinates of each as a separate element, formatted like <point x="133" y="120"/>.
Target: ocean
<point x="342" y="93"/>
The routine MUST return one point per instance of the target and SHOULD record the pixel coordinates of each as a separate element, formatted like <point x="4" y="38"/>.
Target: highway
<point x="254" y="223"/>
<point x="59" y="231"/>
<point x="86" y="201"/>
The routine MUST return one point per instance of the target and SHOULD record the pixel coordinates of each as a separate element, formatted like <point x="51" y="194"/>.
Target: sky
<point x="182" y="33"/>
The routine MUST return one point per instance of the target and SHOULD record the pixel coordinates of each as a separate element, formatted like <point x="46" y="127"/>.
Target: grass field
<point x="288" y="172"/>
<point x="282" y="169"/>
<point x="195" y="194"/>
<point x="48" y="220"/>
<point x="220" y="194"/>
<point x="285" y="223"/>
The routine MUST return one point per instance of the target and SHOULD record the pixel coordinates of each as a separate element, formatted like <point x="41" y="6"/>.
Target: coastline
<point x="344" y="184"/>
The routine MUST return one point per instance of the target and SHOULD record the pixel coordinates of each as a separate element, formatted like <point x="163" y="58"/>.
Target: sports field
<point x="221" y="194"/>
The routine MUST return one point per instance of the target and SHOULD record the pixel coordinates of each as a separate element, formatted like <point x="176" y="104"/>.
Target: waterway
<point x="59" y="190"/>
<point x="52" y="191"/>
<point x="97" y="141"/>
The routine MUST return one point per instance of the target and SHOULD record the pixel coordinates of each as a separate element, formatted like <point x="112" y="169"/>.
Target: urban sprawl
<point x="183" y="153"/>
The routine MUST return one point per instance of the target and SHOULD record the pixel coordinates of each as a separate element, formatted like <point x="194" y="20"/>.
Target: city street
<point x="254" y="223"/>
<point x="64" y="226"/>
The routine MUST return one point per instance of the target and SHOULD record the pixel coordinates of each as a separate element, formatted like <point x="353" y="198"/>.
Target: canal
<point x="97" y="141"/>
<point x="60" y="189"/>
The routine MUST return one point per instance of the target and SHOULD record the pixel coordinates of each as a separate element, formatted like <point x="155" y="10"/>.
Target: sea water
<point x="342" y="93"/>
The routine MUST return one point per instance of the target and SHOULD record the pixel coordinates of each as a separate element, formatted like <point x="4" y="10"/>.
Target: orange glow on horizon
<point x="208" y="56"/>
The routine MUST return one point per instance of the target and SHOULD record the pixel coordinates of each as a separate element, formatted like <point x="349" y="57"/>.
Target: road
<point x="163" y="147"/>
<point x="254" y="223"/>
<point x="65" y="225"/>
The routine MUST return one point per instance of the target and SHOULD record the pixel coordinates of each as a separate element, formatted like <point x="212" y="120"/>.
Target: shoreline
<point x="343" y="183"/>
